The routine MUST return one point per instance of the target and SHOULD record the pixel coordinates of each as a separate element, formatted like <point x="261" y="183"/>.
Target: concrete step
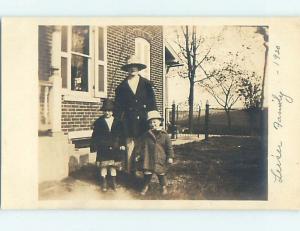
<point x="53" y="139"/>
<point x="53" y="158"/>
<point x="58" y="157"/>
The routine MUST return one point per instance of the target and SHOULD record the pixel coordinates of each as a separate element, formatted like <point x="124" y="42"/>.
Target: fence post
<point x="173" y="121"/>
<point x="199" y="114"/>
<point x="166" y="118"/>
<point x="206" y="119"/>
<point x="177" y="112"/>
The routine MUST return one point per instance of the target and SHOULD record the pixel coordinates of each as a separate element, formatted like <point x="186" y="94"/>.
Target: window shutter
<point x="100" y="62"/>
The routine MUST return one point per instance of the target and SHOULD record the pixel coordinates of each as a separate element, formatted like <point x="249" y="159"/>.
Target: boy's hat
<point x="153" y="115"/>
<point x="133" y="61"/>
<point x="108" y="105"/>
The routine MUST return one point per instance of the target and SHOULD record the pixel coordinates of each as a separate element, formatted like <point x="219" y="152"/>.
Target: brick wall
<point x="78" y="116"/>
<point x="120" y="44"/>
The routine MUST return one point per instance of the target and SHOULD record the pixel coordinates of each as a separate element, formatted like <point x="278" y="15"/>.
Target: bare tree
<point x="250" y="90"/>
<point x="194" y="56"/>
<point x="223" y="84"/>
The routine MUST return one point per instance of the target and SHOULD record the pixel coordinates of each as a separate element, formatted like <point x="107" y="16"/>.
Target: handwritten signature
<point x="280" y="99"/>
<point x="277" y="171"/>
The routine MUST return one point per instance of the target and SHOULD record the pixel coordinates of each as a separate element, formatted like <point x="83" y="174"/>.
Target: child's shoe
<point x="114" y="183"/>
<point x="104" y="184"/>
<point x="164" y="190"/>
<point x="163" y="182"/>
<point x="147" y="180"/>
<point x="144" y="190"/>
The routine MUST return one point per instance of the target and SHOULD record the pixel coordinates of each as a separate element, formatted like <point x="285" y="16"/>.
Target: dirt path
<point x="82" y="184"/>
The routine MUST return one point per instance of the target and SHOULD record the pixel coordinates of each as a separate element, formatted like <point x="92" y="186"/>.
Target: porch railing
<point x="45" y="123"/>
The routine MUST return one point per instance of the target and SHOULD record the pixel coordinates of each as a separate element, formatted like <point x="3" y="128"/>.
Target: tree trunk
<point x="191" y="104"/>
<point x="228" y="119"/>
<point x="263" y="126"/>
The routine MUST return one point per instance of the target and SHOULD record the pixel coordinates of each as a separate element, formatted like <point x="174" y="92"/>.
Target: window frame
<point x="145" y="44"/>
<point x="97" y="62"/>
<point x="92" y="64"/>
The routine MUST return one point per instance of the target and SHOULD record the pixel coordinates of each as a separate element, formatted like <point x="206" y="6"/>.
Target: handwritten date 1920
<point x="276" y="55"/>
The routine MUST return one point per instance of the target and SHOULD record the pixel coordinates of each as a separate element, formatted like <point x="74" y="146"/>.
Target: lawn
<point x="222" y="168"/>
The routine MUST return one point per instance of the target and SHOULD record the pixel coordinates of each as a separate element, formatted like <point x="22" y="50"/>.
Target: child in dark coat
<point x="108" y="141"/>
<point x="156" y="152"/>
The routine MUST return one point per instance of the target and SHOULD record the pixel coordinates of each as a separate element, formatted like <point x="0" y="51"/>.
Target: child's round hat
<point x="153" y="115"/>
<point x="108" y="105"/>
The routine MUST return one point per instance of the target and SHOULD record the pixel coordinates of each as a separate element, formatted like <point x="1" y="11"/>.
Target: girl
<point x="108" y="141"/>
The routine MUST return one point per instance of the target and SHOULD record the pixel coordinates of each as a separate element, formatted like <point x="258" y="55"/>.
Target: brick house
<point x="78" y="67"/>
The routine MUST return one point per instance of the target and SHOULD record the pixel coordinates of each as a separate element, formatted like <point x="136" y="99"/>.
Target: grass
<point x="222" y="168"/>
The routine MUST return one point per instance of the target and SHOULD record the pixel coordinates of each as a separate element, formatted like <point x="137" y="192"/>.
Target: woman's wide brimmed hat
<point x="108" y="105"/>
<point x="133" y="61"/>
<point x="154" y="115"/>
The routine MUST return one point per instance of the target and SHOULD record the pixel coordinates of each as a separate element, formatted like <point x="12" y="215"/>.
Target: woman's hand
<point x="170" y="160"/>
<point x="122" y="148"/>
<point x="137" y="158"/>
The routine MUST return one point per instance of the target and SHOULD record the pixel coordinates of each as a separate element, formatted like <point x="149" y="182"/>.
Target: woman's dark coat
<point x="132" y="108"/>
<point x="107" y="142"/>
<point x="155" y="149"/>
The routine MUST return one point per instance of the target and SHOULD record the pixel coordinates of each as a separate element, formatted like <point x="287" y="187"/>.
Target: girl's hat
<point x="108" y="105"/>
<point x="133" y="61"/>
<point x="153" y="115"/>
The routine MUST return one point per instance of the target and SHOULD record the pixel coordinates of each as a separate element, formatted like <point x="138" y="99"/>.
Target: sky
<point x="231" y="39"/>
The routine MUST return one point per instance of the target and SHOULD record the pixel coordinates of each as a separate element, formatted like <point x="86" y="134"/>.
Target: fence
<point x="212" y="121"/>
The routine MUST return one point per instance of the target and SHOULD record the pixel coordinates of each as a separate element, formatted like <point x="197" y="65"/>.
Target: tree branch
<point x="201" y="80"/>
<point x="215" y="95"/>
<point x="234" y="101"/>
<point x="205" y="56"/>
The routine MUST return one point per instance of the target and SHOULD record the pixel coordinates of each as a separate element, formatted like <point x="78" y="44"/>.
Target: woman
<point x="134" y="97"/>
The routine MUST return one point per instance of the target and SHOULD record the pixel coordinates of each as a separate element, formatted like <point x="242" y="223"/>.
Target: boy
<point x="156" y="152"/>
<point x="108" y="141"/>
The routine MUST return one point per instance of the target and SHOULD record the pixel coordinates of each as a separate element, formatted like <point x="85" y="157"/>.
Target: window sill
<point x="76" y="98"/>
<point x="80" y="134"/>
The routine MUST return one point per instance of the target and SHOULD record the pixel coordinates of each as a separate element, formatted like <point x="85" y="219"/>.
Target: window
<point x="80" y="58"/>
<point x="83" y="62"/>
<point x="142" y="50"/>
